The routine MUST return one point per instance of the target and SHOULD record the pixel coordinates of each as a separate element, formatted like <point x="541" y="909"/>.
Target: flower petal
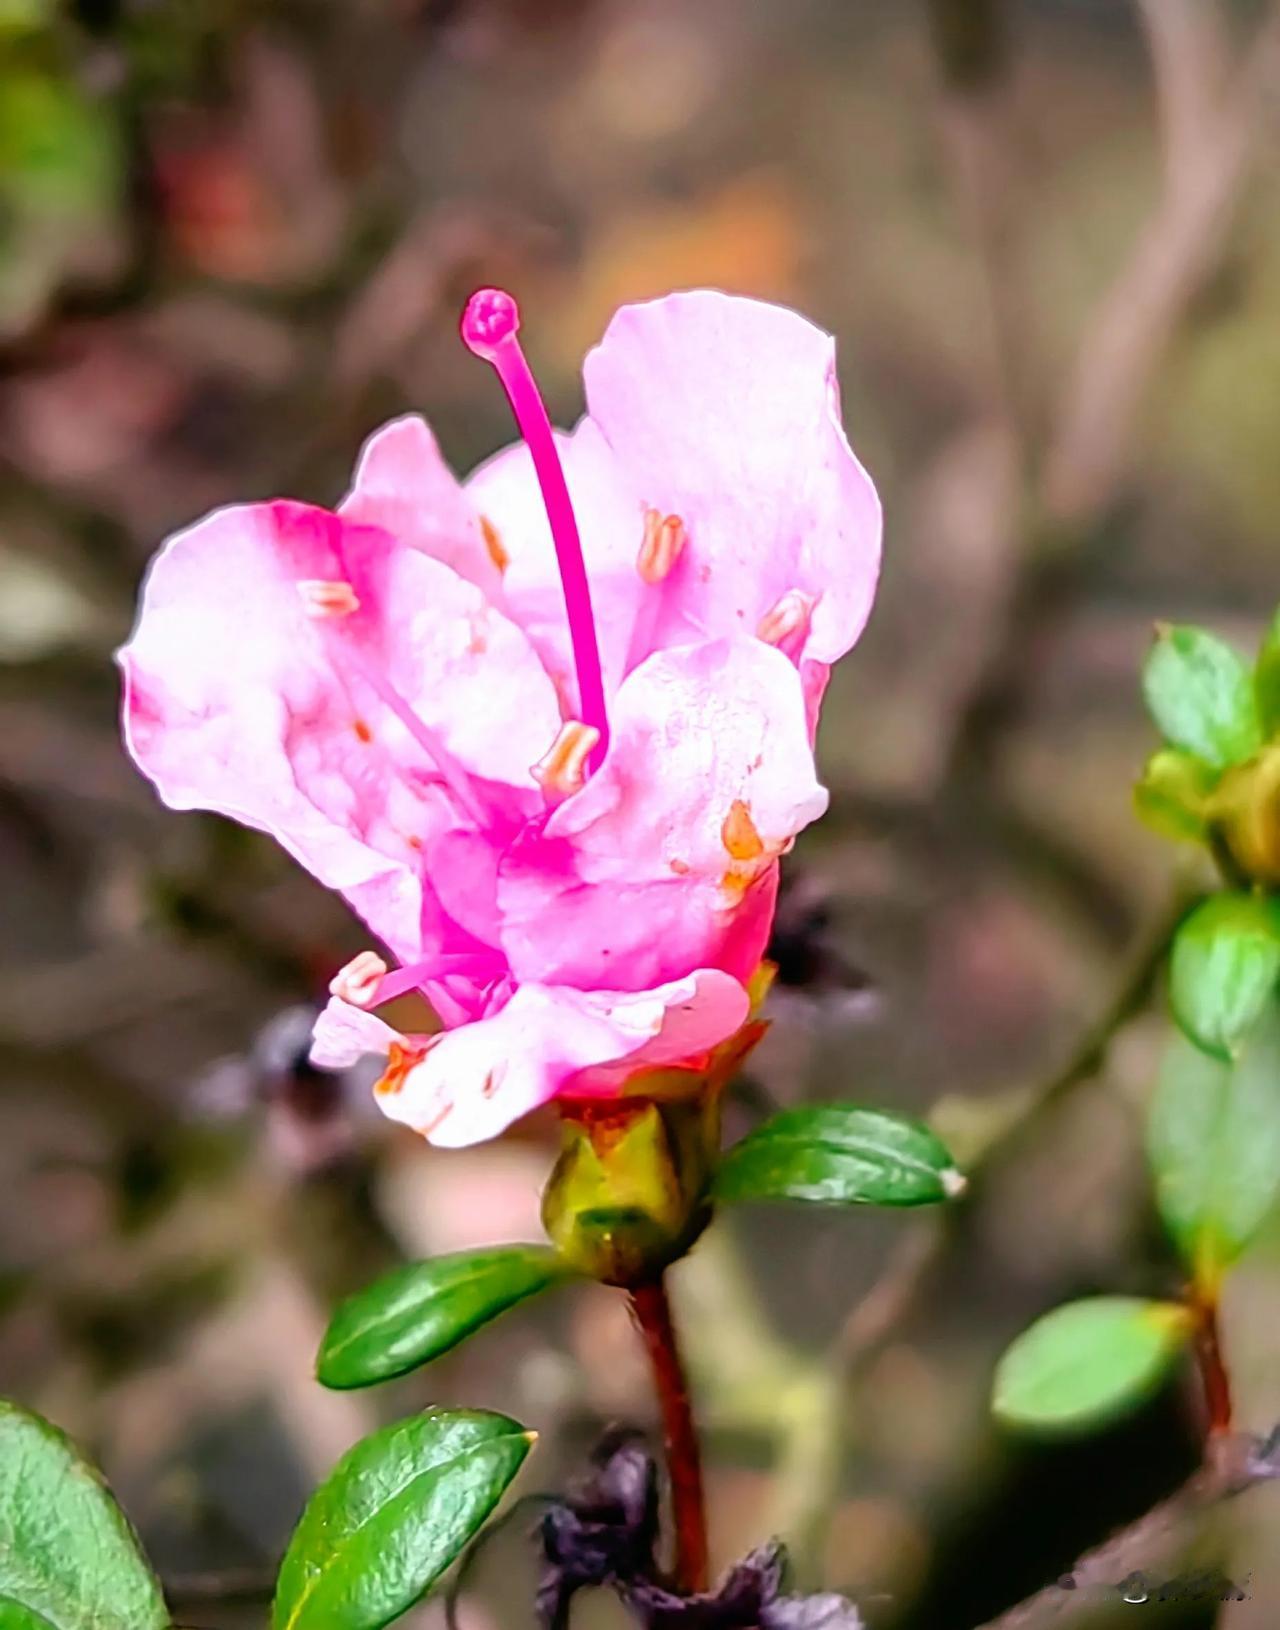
<point x="666" y="859"/>
<point x="545" y="1042"/>
<point x="611" y="524"/>
<point x="345" y="1034"/>
<point x="403" y="485"/>
<point x="726" y="412"/>
<point x="312" y="728"/>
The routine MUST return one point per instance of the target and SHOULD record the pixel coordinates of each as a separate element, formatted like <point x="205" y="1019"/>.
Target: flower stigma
<point x="489" y="327"/>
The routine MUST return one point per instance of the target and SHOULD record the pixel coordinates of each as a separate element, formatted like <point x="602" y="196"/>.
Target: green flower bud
<point x="628" y="1194"/>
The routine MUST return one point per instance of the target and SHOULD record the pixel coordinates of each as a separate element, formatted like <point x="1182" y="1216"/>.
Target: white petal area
<point x="554" y="1041"/>
<point x="344" y="1034"/>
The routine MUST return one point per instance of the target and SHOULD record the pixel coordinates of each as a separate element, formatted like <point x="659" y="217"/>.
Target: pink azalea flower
<point x="549" y="751"/>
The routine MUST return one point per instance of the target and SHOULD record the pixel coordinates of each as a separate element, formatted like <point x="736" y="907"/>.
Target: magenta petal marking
<point x="489" y="327"/>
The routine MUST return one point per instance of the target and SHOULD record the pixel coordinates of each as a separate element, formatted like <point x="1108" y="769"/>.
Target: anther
<point x="402" y="1056"/>
<point x="562" y="769"/>
<point x="358" y="982"/>
<point x="494" y="546"/>
<point x="662" y="545"/>
<point x="323" y="599"/>
<point x="739" y="834"/>
<point x="789" y="617"/>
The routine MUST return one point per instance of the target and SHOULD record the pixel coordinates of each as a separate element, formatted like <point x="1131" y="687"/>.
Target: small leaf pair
<point x="1215" y="714"/>
<point x="1213" y="1139"/>
<point x="374" y="1538"/>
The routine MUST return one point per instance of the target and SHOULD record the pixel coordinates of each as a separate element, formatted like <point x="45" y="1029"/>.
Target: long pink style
<point x="489" y="327"/>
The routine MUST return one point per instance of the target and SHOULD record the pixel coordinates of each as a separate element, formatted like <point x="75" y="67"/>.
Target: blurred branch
<point x="898" y="1291"/>
<point x="1237" y="1464"/>
<point x="971" y="42"/>
<point x="1210" y="114"/>
<point x="1209" y="124"/>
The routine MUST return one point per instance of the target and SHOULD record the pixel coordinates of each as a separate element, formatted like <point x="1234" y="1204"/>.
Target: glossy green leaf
<point x="1266" y="680"/>
<point x="1213" y="1137"/>
<point x="1087" y="1362"/>
<point x="13" y="1616"/>
<point x="417" y="1312"/>
<point x="68" y="1558"/>
<point x="1224" y="968"/>
<point x="840" y="1154"/>
<point x="1172" y="796"/>
<point x="395" y="1512"/>
<point x="1200" y="693"/>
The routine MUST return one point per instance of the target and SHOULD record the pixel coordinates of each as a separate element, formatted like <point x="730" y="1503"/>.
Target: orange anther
<point x="563" y="767"/>
<point x="661" y="546"/>
<point x="788" y="617"/>
<point x="738" y="833"/>
<point x="494" y="544"/>
<point x="324" y="599"/>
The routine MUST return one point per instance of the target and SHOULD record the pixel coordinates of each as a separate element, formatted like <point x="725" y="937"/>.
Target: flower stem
<point x="1213" y="1368"/>
<point x="652" y="1313"/>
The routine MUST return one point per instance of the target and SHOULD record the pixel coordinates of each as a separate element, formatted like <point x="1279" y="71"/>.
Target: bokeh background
<point x="234" y="236"/>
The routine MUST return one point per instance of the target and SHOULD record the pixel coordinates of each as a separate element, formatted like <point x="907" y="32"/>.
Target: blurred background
<point x="235" y="236"/>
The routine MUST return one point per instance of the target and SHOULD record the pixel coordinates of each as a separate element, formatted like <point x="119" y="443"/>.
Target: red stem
<point x="652" y="1312"/>
<point x="1213" y="1369"/>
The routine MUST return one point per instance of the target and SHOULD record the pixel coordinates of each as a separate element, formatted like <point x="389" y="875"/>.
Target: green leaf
<point x="840" y="1154"/>
<point x="395" y="1512"/>
<point x="13" y="1616"/>
<point x="1087" y="1362"/>
<point x="418" y="1312"/>
<point x="1266" y="680"/>
<point x="1224" y="968"/>
<point x="1200" y="694"/>
<point x="1172" y="796"/>
<point x="68" y="1558"/>
<point x="1213" y="1138"/>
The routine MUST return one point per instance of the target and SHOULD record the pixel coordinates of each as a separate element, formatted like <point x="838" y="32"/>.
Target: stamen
<point x="451" y="772"/>
<point x="402" y="1056"/>
<point x="329" y="602"/>
<point x="461" y="964"/>
<point x="662" y="545"/>
<point x="739" y="834"/>
<point x="489" y="327"/>
<point x="562" y="769"/>
<point x="358" y="982"/>
<point x="323" y="599"/>
<point x="494" y="546"/>
<point x="789" y="617"/>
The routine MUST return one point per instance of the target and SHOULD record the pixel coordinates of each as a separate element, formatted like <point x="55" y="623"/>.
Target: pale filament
<point x="365" y="981"/>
